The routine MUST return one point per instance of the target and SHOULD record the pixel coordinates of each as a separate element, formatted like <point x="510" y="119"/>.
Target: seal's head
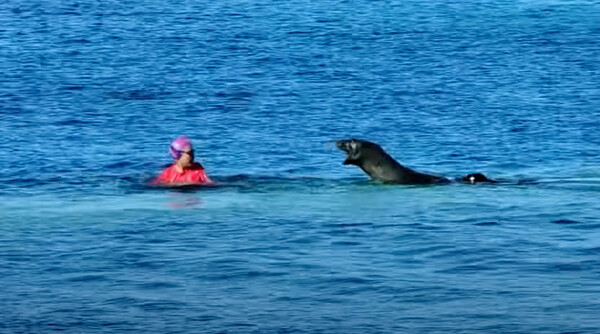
<point x="355" y="149"/>
<point x="476" y="178"/>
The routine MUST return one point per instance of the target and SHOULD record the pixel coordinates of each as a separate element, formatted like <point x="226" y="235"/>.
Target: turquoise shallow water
<point x="91" y="93"/>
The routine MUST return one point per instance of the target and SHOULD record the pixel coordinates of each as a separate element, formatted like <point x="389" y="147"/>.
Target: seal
<point x="381" y="167"/>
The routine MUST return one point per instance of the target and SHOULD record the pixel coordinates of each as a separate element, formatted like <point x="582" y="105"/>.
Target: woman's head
<point x="181" y="150"/>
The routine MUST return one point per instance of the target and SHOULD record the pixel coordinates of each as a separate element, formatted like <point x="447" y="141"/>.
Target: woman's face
<point x="187" y="158"/>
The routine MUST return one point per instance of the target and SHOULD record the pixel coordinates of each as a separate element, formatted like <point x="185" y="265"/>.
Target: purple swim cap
<point x="178" y="146"/>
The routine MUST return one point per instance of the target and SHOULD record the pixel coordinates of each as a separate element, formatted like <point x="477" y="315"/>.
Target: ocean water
<point x="292" y="241"/>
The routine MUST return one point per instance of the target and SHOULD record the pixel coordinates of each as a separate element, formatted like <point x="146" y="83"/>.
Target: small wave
<point x="241" y="274"/>
<point x="162" y="305"/>
<point x="565" y="221"/>
<point x="487" y="224"/>
<point x="270" y="183"/>
<point x="78" y="41"/>
<point x="566" y="267"/>
<point x="74" y="122"/>
<point x="74" y="87"/>
<point x="471" y="268"/>
<point x="346" y="243"/>
<point x="343" y="225"/>
<point x="299" y="32"/>
<point x="424" y="227"/>
<point x="204" y="318"/>
<point x="158" y="285"/>
<point x="88" y="278"/>
<point x="138" y="94"/>
<point x="120" y="164"/>
<point x="121" y="301"/>
<point x="586" y="226"/>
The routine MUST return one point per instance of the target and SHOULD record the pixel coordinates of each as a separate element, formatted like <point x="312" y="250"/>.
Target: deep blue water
<point x="92" y="92"/>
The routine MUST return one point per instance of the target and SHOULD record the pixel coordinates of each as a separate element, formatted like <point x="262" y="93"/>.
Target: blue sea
<point x="292" y="241"/>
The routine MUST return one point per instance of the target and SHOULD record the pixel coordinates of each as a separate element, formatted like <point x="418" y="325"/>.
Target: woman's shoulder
<point x="196" y="166"/>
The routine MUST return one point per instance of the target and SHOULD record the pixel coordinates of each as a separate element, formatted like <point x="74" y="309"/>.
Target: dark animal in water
<point x="380" y="166"/>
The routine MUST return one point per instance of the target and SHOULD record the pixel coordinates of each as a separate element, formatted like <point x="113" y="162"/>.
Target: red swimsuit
<point x="191" y="175"/>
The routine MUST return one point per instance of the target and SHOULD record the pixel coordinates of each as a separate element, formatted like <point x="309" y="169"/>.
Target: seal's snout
<point x="343" y="144"/>
<point x="351" y="149"/>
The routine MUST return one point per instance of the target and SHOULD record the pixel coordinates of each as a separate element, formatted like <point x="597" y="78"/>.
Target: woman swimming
<point x="184" y="171"/>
